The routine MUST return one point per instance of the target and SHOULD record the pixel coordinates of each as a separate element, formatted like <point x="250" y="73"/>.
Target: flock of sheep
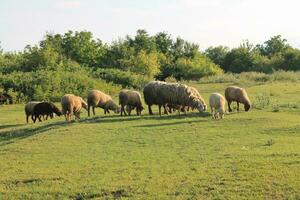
<point x="169" y="96"/>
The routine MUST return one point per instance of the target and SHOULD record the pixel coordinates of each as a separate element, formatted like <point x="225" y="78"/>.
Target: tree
<point x="81" y="47"/>
<point x="142" y="41"/>
<point x="196" y="68"/>
<point x="273" y="46"/>
<point x="217" y="54"/>
<point x="163" y="42"/>
<point x="145" y="64"/>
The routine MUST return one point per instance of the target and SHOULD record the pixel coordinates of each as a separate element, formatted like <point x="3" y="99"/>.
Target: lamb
<point x="217" y="105"/>
<point x="97" y="98"/>
<point x="72" y="104"/>
<point x="29" y="109"/>
<point x="162" y="93"/>
<point x="44" y="108"/>
<point x="234" y="93"/>
<point x="130" y="99"/>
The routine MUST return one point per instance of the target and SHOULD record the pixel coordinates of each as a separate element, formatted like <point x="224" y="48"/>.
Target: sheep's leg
<point x="238" y="106"/>
<point x="27" y="116"/>
<point x="122" y="110"/>
<point x="229" y="108"/>
<point x="39" y="117"/>
<point x="77" y="115"/>
<point x="89" y="107"/>
<point x="93" y="108"/>
<point x="212" y="112"/>
<point x="150" y="110"/>
<point x="165" y="110"/>
<point x="159" y="110"/>
<point x="33" y="117"/>
<point x="137" y="111"/>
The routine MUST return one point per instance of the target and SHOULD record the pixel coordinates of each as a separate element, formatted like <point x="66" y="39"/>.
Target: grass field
<point x="248" y="155"/>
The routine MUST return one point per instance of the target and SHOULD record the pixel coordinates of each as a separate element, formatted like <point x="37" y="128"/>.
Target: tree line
<point x="76" y="62"/>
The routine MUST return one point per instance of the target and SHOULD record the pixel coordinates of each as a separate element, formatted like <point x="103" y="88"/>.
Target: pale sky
<point x="205" y="22"/>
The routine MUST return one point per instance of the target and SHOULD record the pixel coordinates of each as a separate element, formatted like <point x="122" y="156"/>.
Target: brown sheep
<point x="130" y="99"/>
<point x="217" y="105"/>
<point x="97" y="98"/>
<point x="234" y="93"/>
<point x="29" y="107"/>
<point x="72" y="104"/>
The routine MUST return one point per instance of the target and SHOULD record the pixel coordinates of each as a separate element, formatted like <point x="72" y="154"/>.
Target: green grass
<point x="248" y="155"/>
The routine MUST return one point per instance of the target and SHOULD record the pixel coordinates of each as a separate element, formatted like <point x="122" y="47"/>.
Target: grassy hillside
<point x="253" y="155"/>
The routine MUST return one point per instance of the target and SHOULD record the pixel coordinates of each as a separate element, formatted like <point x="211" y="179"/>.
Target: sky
<point x="205" y="22"/>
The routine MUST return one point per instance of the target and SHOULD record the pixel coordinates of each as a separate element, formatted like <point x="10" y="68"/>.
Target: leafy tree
<point x="194" y="69"/>
<point x="217" y="54"/>
<point x="273" y="46"/>
<point x="163" y="42"/>
<point x="142" y="41"/>
<point x="81" y="47"/>
<point x="145" y="64"/>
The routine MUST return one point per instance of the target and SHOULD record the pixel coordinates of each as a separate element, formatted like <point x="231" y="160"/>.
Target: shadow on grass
<point x="9" y="136"/>
<point x="11" y="126"/>
<point x="117" y="118"/>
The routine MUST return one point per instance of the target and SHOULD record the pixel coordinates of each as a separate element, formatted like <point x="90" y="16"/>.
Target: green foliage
<point x="275" y="45"/>
<point x="51" y="85"/>
<point x="124" y="78"/>
<point x="194" y="69"/>
<point x="217" y="54"/>
<point x="133" y="60"/>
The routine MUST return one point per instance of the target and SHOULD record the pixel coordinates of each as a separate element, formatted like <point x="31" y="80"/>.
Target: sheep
<point x="72" y="104"/>
<point x="4" y="97"/>
<point x="130" y="99"/>
<point x="162" y="93"/>
<point x="29" y="109"/>
<point x="97" y="98"/>
<point x="44" y="108"/>
<point x="217" y="105"/>
<point x="234" y="93"/>
<point x="195" y="92"/>
<point x="150" y="92"/>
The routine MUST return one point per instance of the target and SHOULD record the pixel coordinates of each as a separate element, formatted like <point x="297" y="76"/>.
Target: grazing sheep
<point x="239" y="95"/>
<point x="196" y="93"/>
<point x="97" y="98"/>
<point x="4" y="97"/>
<point x="130" y="99"/>
<point x="151" y="95"/>
<point x="72" y="104"/>
<point x="44" y="108"/>
<point x="29" y="109"/>
<point x="217" y="105"/>
<point x="162" y="93"/>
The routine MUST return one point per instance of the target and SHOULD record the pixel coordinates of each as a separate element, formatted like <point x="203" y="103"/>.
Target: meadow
<point x="248" y="155"/>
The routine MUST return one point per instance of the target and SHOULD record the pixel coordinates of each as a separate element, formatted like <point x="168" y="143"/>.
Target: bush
<point x="52" y="85"/>
<point x="124" y="78"/>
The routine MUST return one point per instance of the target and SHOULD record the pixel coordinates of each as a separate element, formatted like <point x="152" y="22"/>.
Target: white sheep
<point x="217" y="105"/>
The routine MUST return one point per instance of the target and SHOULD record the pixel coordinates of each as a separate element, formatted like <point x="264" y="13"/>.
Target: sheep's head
<point x="83" y="104"/>
<point x="117" y="110"/>
<point x="55" y="110"/>
<point x="247" y="106"/>
<point x="201" y="107"/>
<point x="204" y="107"/>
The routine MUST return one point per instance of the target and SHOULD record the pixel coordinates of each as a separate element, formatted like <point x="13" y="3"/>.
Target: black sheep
<point x="45" y="108"/>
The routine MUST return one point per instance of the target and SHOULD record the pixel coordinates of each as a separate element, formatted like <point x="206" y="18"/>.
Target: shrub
<point x="124" y="78"/>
